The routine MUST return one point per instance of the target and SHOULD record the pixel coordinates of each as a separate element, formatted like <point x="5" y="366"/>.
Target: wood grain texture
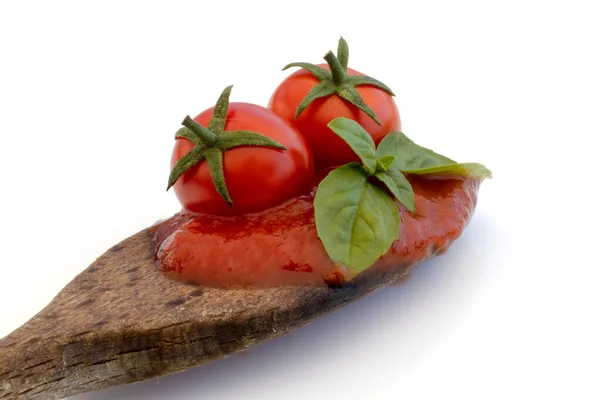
<point x="121" y="321"/>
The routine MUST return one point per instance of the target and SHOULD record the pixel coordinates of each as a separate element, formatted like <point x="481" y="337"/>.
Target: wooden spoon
<point x="122" y="321"/>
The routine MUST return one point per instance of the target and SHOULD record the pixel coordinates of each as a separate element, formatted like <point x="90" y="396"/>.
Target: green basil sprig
<point x="357" y="220"/>
<point x="414" y="159"/>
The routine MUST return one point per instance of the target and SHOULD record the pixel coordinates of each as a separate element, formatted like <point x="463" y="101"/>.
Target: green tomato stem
<point x="206" y="135"/>
<point x="338" y="74"/>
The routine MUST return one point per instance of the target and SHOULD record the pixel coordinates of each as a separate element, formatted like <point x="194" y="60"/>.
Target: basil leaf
<point x="409" y="155"/>
<point x="399" y="186"/>
<point x="358" y="139"/>
<point x="385" y="162"/>
<point x="357" y="221"/>
<point x="468" y="170"/>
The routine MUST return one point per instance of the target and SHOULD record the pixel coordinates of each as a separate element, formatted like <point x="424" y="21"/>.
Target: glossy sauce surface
<point x="280" y="246"/>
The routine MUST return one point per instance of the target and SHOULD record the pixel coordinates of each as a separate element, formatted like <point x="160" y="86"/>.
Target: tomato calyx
<point x="211" y="142"/>
<point x="337" y="81"/>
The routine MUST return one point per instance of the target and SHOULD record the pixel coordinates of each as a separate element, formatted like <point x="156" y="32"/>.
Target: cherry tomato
<point x="327" y="148"/>
<point x="257" y="178"/>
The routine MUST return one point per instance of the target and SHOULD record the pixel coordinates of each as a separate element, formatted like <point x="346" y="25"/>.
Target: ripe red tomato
<point x="257" y="178"/>
<point x="327" y="148"/>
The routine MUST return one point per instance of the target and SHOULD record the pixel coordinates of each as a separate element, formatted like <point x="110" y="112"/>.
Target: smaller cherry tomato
<point x="313" y="96"/>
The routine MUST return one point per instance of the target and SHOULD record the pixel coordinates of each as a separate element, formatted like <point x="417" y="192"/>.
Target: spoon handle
<point x="34" y="368"/>
<point x="30" y="367"/>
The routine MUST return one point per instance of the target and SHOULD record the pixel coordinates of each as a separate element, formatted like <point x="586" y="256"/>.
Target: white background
<point x="91" y="95"/>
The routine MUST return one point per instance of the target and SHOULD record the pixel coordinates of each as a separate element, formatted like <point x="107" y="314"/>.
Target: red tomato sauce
<point x="280" y="246"/>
